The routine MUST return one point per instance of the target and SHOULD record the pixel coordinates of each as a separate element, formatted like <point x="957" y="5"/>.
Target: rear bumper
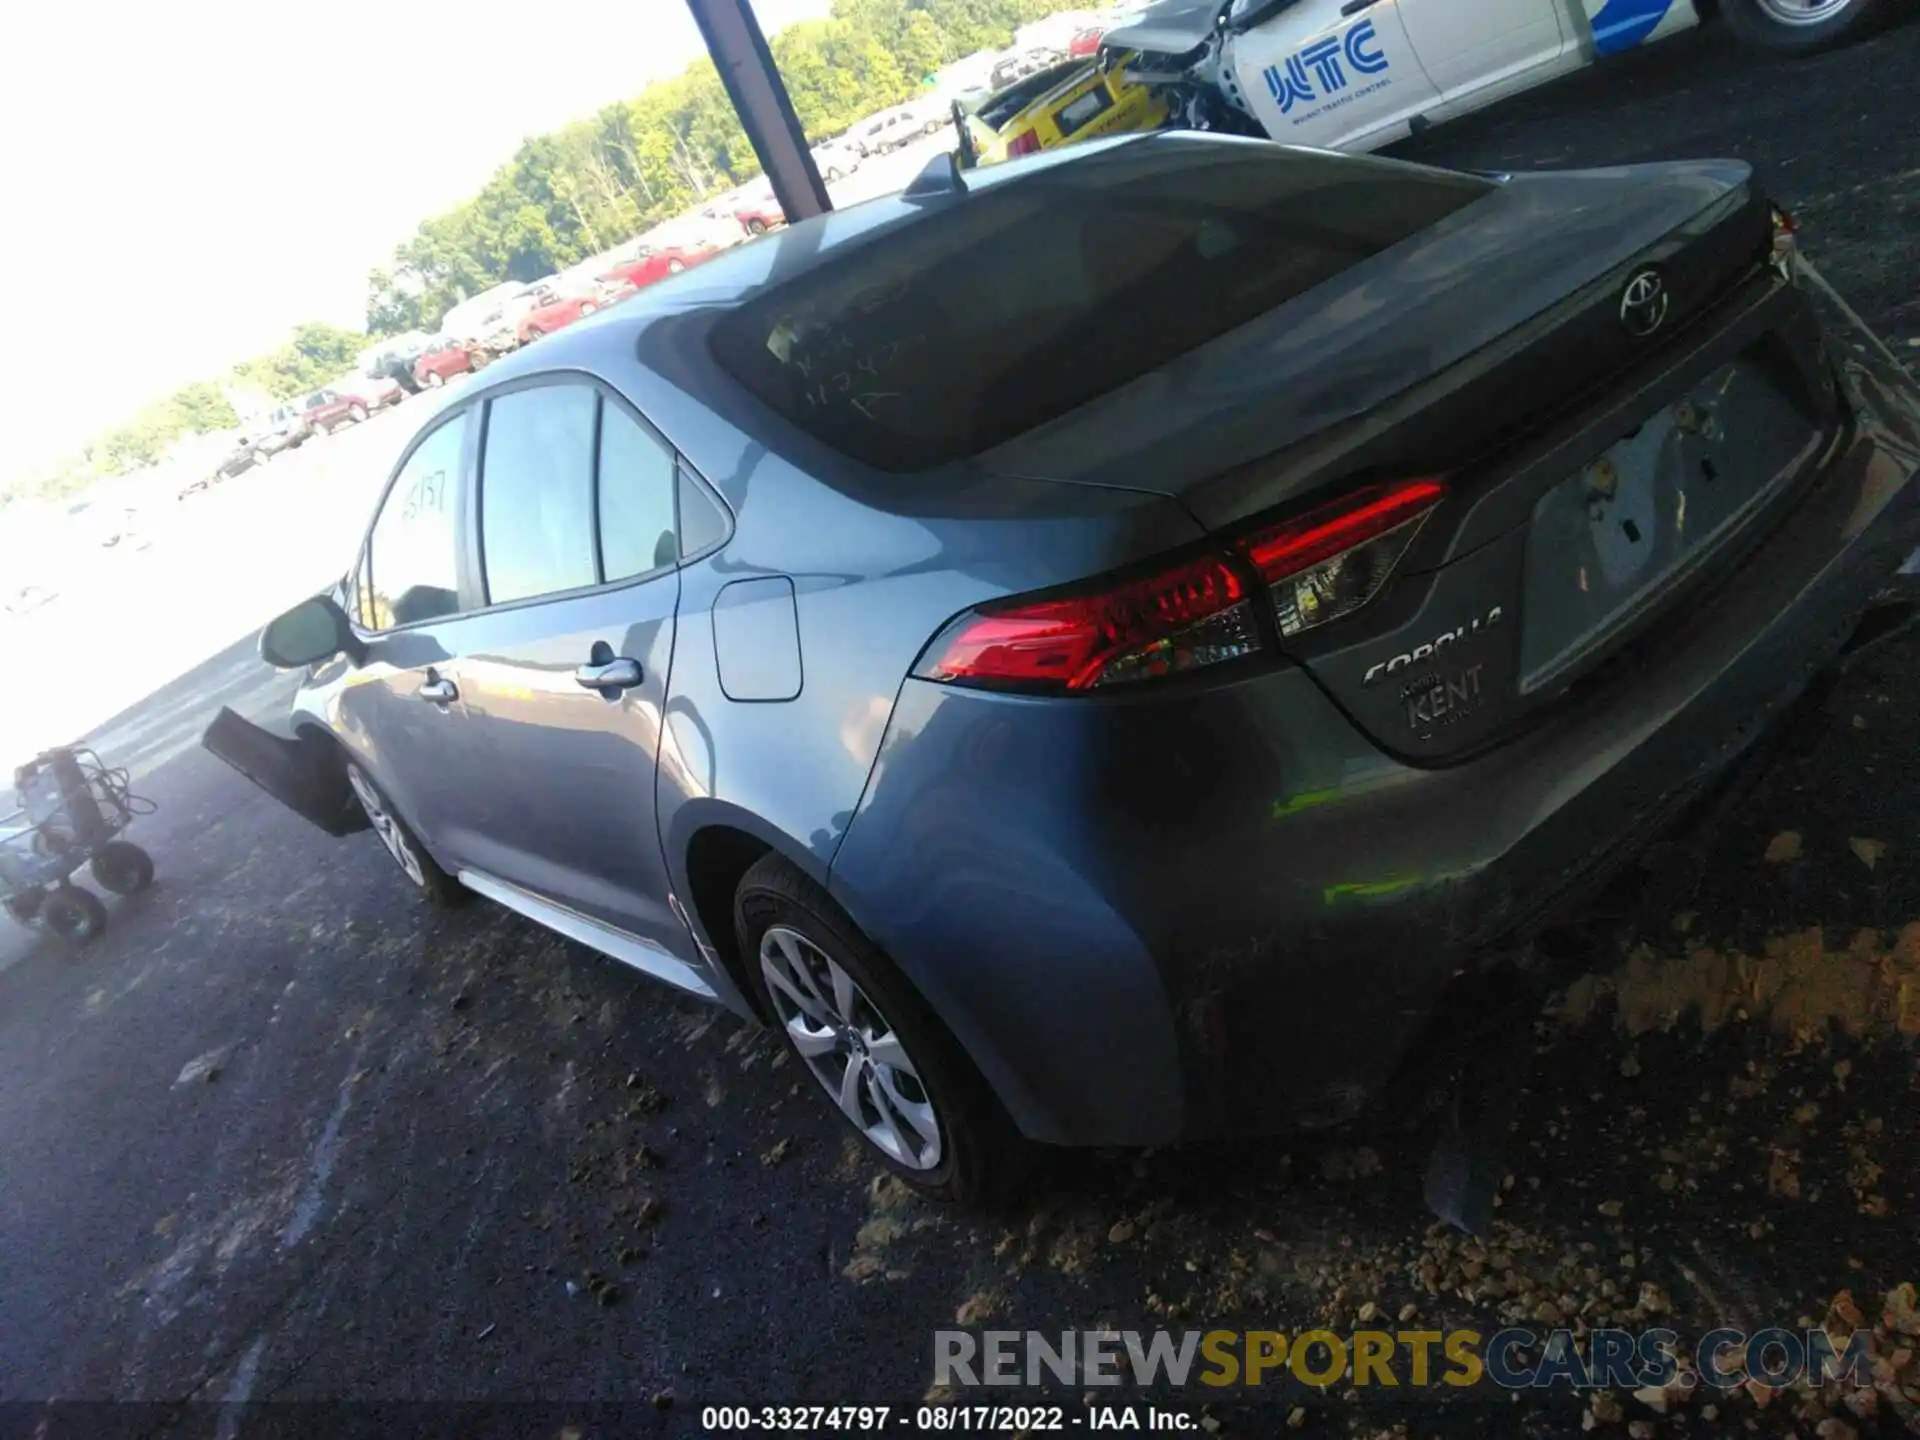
<point x="1149" y="920"/>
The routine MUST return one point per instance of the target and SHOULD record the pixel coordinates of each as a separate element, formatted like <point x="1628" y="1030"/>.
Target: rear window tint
<point x="1009" y="307"/>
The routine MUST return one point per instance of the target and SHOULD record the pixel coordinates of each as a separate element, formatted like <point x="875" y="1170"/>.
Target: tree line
<point x="315" y="354"/>
<point x="583" y="189"/>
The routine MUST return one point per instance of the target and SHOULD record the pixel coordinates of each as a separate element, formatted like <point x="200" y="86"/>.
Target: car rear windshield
<point x="1008" y="307"/>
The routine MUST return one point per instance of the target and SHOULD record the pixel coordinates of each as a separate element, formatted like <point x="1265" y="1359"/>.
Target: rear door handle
<point x="617" y="674"/>
<point x="440" y="692"/>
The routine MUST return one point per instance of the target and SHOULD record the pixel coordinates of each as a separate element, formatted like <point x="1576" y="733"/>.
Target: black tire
<point x="75" y="915"/>
<point x="981" y="1154"/>
<point x="356" y="413"/>
<point x="122" y="867"/>
<point x="410" y="857"/>
<point x="1753" y="25"/>
<point x="756" y="226"/>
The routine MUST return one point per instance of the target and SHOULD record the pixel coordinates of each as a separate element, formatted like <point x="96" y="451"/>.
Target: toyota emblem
<point x="1643" y="304"/>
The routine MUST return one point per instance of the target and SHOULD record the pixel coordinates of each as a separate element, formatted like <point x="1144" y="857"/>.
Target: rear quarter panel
<point x="874" y="577"/>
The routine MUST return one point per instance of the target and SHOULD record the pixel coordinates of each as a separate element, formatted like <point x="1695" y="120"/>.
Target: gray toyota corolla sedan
<point x="1096" y="651"/>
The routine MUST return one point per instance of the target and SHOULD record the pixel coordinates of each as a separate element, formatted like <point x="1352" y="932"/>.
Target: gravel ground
<point x="285" y="1135"/>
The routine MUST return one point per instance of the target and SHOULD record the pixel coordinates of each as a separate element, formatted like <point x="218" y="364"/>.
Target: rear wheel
<point x="122" y="867"/>
<point x="356" y="413"/>
<point x="73" y="914"/>
<point x="409" y="854"/>
<point x="876" y="1049"/>
<point x="434" y="380"/>
<point x="756" y="226"/>
<point x="1800" y="25"/>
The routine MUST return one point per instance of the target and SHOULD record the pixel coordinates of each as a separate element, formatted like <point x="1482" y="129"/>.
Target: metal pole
<point x="746" y="68"/>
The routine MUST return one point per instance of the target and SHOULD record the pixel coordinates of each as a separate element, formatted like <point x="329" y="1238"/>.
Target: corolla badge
<point x="1432" y="647"/>
<point x="1643" y="304"/>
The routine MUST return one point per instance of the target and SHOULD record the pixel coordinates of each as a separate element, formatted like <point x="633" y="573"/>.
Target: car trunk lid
<point x="1600" y="367"/>
<point x="1218" y="426"/>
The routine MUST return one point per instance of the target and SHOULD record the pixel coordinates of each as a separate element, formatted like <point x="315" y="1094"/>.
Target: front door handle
<point x="616" y="674"/>
<point x="440" y="692"/>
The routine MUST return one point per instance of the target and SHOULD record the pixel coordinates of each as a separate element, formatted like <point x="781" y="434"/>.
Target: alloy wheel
<point x="386" y="827"/>
<point x="1802" y="12"/>
<point x="851" y="1048"/>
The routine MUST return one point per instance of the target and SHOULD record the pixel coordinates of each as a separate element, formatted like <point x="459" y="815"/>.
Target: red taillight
<point x="1027" y="142"/>
<point x="1198" y="614"/>
<point x="1332" y="560"/>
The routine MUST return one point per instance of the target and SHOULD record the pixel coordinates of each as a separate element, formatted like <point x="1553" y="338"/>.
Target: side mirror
<point x="312" y="631"/>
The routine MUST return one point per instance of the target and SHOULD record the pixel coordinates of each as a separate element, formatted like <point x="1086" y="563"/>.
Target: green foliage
<point x="316" y="354"/>
<point x="582" y="190"/>
<point x="586" y="188"/>
<point x="194" y="408"/>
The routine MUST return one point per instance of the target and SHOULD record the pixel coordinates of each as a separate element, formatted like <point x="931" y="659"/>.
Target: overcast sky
<point x="186" y="181"/>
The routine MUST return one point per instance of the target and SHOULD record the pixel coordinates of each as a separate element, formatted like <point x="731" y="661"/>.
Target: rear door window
<point x="1006" y="309"/>
<point x="412" y="564"/>
<point x="636" y="498"/>
<point x="536" y="492"/>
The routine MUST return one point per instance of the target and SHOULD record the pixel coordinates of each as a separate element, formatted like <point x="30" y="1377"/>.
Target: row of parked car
<point x="511" y="315"/>
<point x="474" y="334"/>
<point x="286" y="427"/>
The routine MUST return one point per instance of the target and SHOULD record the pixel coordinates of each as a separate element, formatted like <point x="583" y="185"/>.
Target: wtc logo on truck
<point x="1324" y="63"/>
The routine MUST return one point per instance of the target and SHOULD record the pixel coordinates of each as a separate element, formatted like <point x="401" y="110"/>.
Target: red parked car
<point x="761" y="215"/>
<point x="556" y="310"/>
<point x="325" y="409"/>
<point x="1086" y="41"/>
<point x="651" y="265"/>
<point x="440" y="361"/>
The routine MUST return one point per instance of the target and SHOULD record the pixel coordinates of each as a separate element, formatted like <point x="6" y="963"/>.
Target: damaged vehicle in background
<point x="557" y="306"/>
<point x="651" y="264"/>
<point x="1221" y="646"/>
<point x="441" y="361"/>
<point x="1357" y="77"/>
<point x="327" y="409"/>
<point x="1076" y="100"/>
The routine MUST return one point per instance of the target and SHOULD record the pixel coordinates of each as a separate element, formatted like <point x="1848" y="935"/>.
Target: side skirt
<point x="643" y="955"/>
